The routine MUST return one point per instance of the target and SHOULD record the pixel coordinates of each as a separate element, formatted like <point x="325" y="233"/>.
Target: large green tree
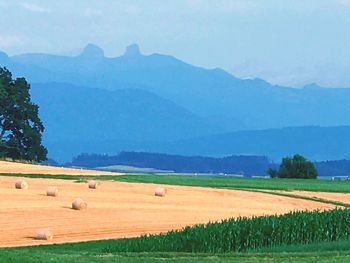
<point x="295" y="167"/>
<point x="20" y="126"/>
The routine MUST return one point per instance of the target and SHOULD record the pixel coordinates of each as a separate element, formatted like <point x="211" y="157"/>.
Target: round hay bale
<point x="21" y="184"/>
<point x="43" y="234"/>
<point x="52" y="191"/>
<point x="94" y="184"/>
<point x="160" y="191"/>
<point x="79" y="204"/>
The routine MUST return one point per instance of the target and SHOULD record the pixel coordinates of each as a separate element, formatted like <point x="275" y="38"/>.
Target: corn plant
<point x="241" y="234"/>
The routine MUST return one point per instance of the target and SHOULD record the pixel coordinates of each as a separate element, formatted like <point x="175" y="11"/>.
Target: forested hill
<point x="245" y="165"/>
<point x="333" y="168"/>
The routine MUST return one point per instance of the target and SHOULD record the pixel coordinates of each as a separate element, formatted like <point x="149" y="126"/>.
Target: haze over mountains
<point x="91" y="103"/>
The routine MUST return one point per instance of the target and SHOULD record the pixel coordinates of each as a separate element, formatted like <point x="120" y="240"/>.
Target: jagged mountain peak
<point x="92" y="50"/>
<point x="132" y="50"/>
<point x="3" y="56"/>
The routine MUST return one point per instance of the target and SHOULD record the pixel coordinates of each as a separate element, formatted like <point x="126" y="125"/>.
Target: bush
<point x="296" y="167"/>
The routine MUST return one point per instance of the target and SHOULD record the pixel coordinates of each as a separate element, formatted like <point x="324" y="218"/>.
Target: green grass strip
<point x="315" y="199"/>
<point x="316" y="185"/>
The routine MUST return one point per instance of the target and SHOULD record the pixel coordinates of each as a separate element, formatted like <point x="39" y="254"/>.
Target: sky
<point x="286" y="42"/>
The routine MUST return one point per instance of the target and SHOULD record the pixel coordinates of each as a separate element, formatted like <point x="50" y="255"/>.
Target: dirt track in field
<point x="21" y="168"/>
<point x="339" y="197"/>
<point x="123" y="209"/>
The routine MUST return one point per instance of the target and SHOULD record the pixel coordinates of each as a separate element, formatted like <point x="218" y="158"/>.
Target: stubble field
<point x="22" y="168"/>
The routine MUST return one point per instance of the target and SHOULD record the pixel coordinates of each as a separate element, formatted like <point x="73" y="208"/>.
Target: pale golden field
<point x="21" y="168"/>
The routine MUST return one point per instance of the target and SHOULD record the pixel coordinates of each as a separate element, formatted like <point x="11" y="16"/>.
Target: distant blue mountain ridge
<point x="92" y="103"/>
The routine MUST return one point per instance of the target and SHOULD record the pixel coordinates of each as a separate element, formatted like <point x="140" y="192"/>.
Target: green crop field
<point x="241" y="183"/>
<point x="243" y="234"/>
<point x="317" y="185"/>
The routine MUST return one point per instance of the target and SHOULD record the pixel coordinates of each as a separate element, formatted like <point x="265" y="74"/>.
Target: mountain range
<point x="93" y="103"/>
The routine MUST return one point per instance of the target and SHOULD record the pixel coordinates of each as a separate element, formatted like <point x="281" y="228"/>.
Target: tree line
<point x="291" y="167"/>
<point x="245" y="165"/>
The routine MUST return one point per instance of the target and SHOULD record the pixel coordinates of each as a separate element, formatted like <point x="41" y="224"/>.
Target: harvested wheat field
<point x="123" y="209"/>
<point x="22" y="168"/>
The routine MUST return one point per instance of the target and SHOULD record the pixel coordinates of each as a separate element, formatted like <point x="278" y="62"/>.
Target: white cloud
<point x="92" y="12"/>
<point x="223" y="6"/>
<point x="4" y="4"/>
<point x="9" y="41"/>
<point x="133" y="10"/>
<point x="34" y="8"/>
<point x="344" y="2"/>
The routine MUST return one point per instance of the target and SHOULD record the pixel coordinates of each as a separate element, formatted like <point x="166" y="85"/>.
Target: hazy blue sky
<point x="289" y="42"/>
